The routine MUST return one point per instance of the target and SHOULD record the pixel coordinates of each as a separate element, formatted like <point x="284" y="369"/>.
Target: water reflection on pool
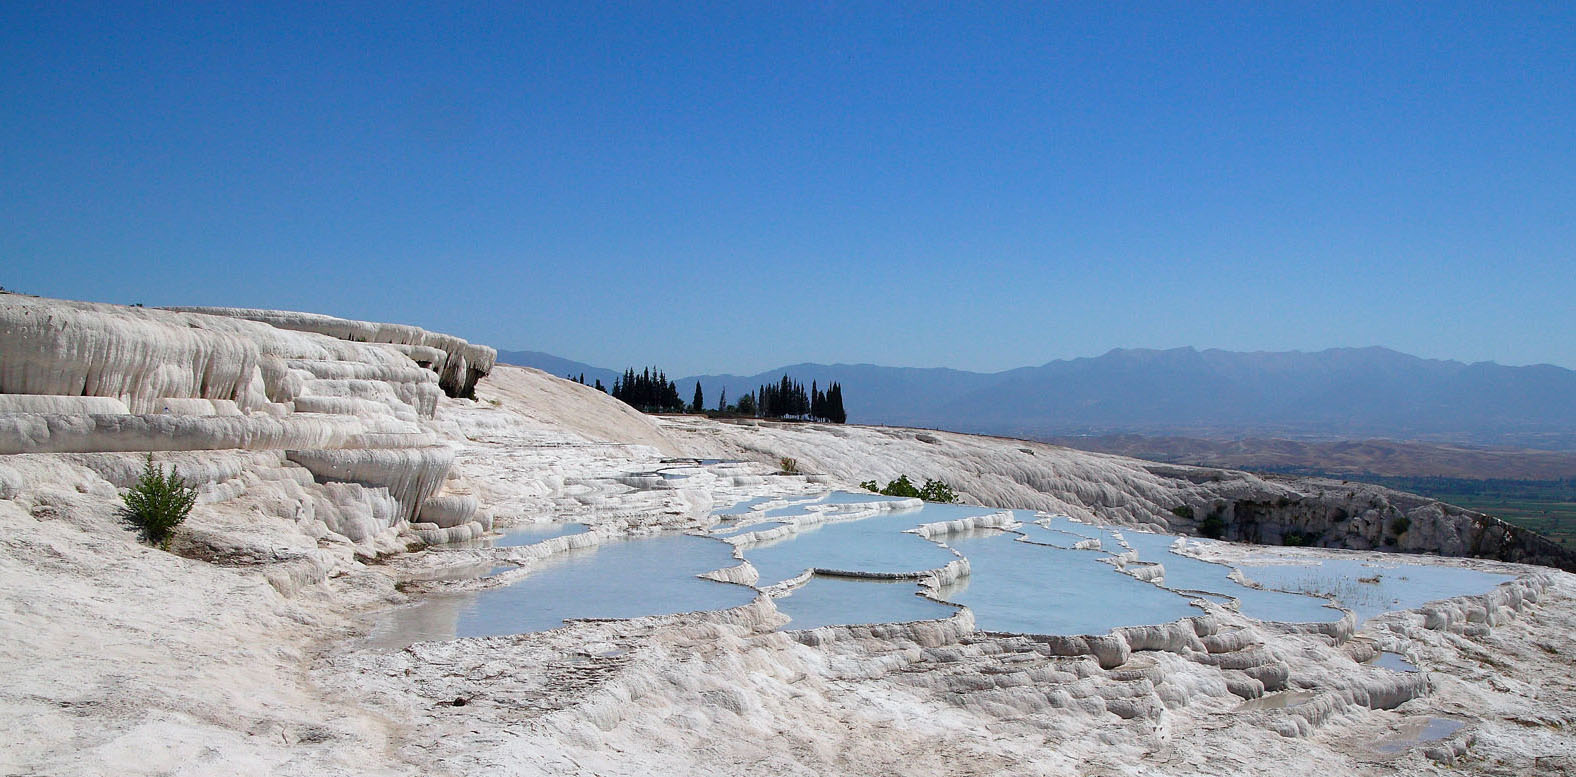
<point x="1032" y="579"/>
<point x="617" y="579"/>
<point x="1370" y="588"/>
<point x="1191" y="574"/>
<point x="832" y="601"/>
<point x="1019" y="587"/>
<point x="875" y="544"/>
<point x="532" y="533"/>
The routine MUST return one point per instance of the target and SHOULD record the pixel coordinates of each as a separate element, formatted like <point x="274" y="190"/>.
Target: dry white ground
<point x="122" y="659"/>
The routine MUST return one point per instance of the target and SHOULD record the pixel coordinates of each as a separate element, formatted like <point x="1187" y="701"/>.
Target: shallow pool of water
<point x="743" y="506"/>
<point x="532" y="533"/>
<point x="617" y="579"/>
<point x="1045" y="586"/>
<point x="855" y="497"/>
<point x="1021" y="587"/>
<point x="1395" y="662"/>
<point x="1369" y="588"/>
<point x="1278" y="701"/>
<point x="754" y="527"/>
<point x="1415" y="732"/>
<point x="833" y="601"/>
<point x="875" y="544"/>
<point x="1187" y="573"/>
<point x="1065" y="524"/>
<point x="1053" y="537"/>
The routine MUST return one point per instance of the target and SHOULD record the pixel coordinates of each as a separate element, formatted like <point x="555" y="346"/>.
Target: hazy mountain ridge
<point x="1335" y="393"/>
<point x="560" y="367"/>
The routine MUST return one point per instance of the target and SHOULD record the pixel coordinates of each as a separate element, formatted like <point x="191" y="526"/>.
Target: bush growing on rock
<point x="937" y="491"/>
<point x="1295" y="539"/>
<point x="932" y="491"/>
<point x="1213" y="526"/>
<point x="158" y="503"/>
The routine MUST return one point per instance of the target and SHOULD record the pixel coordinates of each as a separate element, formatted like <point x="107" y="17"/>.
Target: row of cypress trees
<point x="788" y="398"/>
<point x="650" y="391"/>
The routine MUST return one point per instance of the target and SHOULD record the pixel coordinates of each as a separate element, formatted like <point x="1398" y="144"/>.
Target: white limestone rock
<point x="39" y="433"/>
<point x="411" y="475"/>
<point x="48" y="404"/>
<point x="458" y="363"/>
<point x="141" y="357"/>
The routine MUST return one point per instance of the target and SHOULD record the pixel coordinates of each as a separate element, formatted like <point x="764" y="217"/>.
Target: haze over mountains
<point x="1340" y="393"/>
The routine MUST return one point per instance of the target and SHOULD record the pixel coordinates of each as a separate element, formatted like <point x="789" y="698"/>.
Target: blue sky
<point x="736" y="186"/>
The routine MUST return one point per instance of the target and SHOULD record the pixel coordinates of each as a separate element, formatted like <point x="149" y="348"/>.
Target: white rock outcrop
<point x="87" y="378"/>
<point x="458" y="363"/>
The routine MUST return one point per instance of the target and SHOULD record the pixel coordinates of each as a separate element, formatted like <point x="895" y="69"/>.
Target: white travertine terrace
<point x="238" y="653"/>
<point x="458" y="363"/>
<point x="87" y="378"/>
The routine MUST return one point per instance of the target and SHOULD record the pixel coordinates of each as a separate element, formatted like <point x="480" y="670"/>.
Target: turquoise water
<point x="875" y="544"/>
<point x="1015" y="586"/>
<point x="839" y="501"/>
<point x="832" y="601"/>
<point x="1186" y="573"/>
<point x="854" y="497"/>
<point x="754" y="527"/>
<point x="1395" y="662"/>
<point x="742" y="507"/>
<point x="533" y="533"/>
<point x="1020" y="587"/>
<point x="1398" y="586"/>
<point x="618" y="579"/>
<point x="1044" y="536"/>
<point x="1064" y="524"/>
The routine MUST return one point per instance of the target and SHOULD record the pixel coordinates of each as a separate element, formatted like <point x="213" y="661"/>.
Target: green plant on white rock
<point x="158" y="503"/>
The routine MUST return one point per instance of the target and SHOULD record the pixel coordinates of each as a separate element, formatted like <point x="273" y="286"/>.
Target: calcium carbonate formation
<point x="324" y="448"/>
<point x="350" y="402"/>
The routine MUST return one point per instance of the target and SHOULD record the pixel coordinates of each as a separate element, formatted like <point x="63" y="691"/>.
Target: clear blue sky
<point x="743" y="185"/>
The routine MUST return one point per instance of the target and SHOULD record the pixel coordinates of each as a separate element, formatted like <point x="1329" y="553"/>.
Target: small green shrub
<point x="1213" y="526"/>
<point x="1399" y="525"/>
<point x="790" y="466"/>
<point x="901" y="487"/>
<point x="1294" y="539"/>
<point x="1182" y="511"/>
<point x="937" y="491"/>
<point x="932" y="491"/>
<point x="158" y="503"/>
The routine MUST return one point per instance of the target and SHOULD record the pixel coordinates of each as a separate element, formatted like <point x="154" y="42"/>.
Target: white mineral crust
<point x="320" y="461"/>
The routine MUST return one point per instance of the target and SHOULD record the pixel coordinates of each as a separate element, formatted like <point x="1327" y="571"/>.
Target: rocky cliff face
<point x="1325" y="513"/>
<point x="344" y="406"/>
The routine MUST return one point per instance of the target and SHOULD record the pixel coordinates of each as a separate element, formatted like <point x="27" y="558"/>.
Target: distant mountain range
<point x="1340" y="393"/>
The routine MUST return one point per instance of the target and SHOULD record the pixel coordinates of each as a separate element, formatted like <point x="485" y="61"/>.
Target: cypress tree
<point x="700" y="402"/>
